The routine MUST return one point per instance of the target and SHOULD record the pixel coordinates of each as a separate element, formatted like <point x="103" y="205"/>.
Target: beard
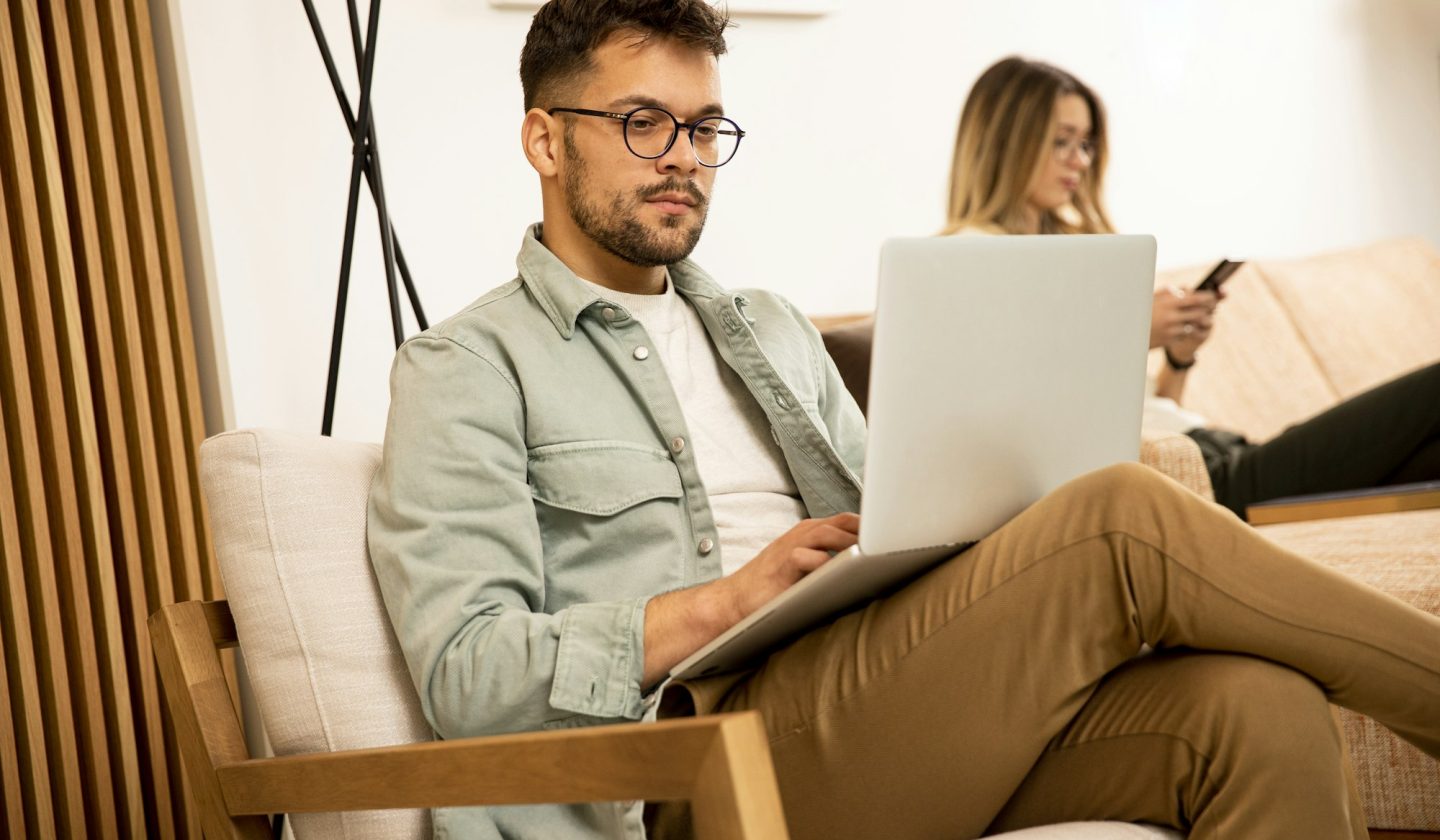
<point x="615" y="224"/>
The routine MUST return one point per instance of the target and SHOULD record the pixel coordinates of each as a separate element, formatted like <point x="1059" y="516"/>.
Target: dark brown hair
<point x="564" y="34"/>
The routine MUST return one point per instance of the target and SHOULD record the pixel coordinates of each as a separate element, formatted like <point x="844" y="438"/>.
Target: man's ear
<point x="540" y="138"/>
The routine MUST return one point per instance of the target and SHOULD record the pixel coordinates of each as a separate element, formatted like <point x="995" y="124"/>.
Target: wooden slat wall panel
<point x="100" y="520"/>
<point x="177" y="302"/>
<point x="109" y="518"/>
<point x="23" y="681"/>
<point x="38" y="543"/>
<point x="131" y="475"/>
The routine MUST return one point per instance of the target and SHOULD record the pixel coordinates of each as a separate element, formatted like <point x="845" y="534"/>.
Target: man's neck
<point x="587" y="259"/>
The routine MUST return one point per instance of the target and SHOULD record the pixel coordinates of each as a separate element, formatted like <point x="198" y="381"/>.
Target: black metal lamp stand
<point x="365" y="154"/>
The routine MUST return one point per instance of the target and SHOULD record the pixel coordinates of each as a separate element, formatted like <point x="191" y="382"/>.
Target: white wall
<point x="1239" y="128"/>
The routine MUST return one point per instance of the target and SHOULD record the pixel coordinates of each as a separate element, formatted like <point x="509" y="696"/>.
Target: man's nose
<point x="680" y="158"/>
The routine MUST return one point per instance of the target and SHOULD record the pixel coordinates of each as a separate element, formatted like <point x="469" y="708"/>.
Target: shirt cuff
<point x="601" y="660"/>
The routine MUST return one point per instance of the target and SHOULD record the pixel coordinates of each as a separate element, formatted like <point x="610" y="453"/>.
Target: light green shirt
<point x="536" y="491"/>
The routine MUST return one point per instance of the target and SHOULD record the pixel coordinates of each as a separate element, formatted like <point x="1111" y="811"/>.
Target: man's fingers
<point x="808" y="559"/>
<point x="829" y="538"/>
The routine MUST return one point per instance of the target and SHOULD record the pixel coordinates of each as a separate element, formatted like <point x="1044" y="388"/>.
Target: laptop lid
<point x="1002" y="367"/>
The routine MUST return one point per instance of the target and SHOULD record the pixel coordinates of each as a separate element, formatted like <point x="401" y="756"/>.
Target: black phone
<point x="1218" y="275"/>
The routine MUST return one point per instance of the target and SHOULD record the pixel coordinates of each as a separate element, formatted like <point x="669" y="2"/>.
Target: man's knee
<point x="1269" y="712"/>
<point x="1124" y="486"/>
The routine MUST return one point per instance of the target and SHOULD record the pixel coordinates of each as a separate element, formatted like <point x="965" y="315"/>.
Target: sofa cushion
<point x="1255" y="374"/>
<point x="287" y="513"/>
<point x="1368" y="314"/>
<point x="1397" y="553"/>
<point x="1092" y="831"/>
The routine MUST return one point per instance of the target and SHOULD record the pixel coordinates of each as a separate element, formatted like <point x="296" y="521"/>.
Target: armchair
<point x="357" y="759"/>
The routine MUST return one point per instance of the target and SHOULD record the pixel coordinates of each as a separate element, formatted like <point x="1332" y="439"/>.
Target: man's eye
<point x="641" y="125"/>
<point x="706" y="132"/>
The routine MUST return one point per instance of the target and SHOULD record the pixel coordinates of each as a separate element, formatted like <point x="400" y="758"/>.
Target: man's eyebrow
<point x="712" y="109"/>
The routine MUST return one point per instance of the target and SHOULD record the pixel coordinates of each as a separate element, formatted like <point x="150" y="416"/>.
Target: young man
<point x="606" y="462"/>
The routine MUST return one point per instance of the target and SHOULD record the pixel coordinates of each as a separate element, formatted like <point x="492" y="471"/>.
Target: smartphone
<point x="1218" y="275"/>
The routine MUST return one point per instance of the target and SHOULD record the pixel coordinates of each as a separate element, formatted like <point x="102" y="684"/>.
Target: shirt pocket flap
<point x="601" y="478"/>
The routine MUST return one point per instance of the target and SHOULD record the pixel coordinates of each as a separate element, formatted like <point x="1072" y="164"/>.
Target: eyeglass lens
<point x="649" y="133"/>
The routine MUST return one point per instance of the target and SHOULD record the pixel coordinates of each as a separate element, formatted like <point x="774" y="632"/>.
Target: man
<point x="601" y="465"/>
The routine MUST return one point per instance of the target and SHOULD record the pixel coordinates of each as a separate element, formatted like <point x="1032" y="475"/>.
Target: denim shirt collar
<point x="563" y="297"/>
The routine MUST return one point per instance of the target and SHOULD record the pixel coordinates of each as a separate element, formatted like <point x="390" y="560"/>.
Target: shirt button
<point x="781" y="400"/>
<point x="609" y="313"/>
<point x="677" y="445"/>
<point x="642" y="353"/>
<point x="706" y="546"/>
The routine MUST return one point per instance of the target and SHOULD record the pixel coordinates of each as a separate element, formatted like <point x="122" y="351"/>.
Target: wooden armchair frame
<point x="720" y="763"/>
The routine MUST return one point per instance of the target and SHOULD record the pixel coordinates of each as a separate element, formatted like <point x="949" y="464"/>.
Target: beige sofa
<point x="1293" y="338"/>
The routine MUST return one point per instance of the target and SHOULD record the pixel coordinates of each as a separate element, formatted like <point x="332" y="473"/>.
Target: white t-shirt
<point x="753" y="497"/>
<point x="1163" y="414"/>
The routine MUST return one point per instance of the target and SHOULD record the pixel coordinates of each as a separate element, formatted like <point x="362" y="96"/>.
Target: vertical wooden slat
<point x="133" y="472"/>
<point x="64" y="419"/>
<point x="12" y="803"/>
<point x="110" y="521"/>
<point x="177" y="302"/>
<point x="38" y="542"/>
<point x="23" y="681"/>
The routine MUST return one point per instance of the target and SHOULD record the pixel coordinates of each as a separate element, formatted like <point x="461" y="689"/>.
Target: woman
<point x="1030" y="159"/>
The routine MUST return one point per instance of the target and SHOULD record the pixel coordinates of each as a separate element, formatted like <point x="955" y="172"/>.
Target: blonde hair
<point x="1005" y="132"/>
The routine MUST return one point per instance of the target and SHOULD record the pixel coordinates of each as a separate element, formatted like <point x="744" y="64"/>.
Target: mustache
<point x="674" y="185"/>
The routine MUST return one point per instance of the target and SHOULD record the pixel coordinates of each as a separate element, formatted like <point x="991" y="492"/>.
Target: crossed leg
<point x="924" y="713"/>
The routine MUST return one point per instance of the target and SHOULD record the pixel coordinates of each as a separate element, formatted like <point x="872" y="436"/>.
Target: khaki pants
<point x="1003" y="689"/>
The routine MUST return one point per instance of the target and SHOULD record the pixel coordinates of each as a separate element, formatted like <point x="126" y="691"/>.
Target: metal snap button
<point x="677" y="445"/>
<point x="642" y="353"/>
<point x="706" y="546"/>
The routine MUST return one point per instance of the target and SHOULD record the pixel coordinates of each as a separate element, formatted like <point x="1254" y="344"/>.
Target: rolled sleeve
<point x="601" y="658"/>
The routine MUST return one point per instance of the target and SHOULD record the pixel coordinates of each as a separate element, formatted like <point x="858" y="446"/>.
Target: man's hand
<point x="1181" y="321"/>
<point x="679" y="623"/>
<point x="798" y="552"/>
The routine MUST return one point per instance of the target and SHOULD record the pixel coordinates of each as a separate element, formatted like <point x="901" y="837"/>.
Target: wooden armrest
<point x="1363" y="502"/>
<point x="655" y="761"/>
<point x="719" y="763"/>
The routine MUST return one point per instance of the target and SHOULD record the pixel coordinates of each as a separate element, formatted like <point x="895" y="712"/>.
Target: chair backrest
<point x="287" y="512"/>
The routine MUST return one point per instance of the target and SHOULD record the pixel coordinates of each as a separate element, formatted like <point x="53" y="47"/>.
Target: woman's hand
<point x="795" y="554"/>
<point x="1181" y="321"/>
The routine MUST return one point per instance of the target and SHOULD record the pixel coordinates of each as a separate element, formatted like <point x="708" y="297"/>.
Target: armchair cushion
<point x="288" y="516"/>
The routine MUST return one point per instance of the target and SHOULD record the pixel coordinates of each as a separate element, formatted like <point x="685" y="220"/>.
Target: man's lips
<point x="675" y="204"/>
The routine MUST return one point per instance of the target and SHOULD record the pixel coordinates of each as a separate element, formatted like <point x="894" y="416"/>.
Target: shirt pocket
<point x="601" y="478"/>
<point x="611" y="518"/>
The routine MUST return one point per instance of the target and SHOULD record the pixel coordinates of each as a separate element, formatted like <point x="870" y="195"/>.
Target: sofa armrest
<point x="1178" y="457"/>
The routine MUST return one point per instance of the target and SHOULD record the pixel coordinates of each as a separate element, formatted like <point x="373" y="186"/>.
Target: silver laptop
<point x="1002" y="367"/>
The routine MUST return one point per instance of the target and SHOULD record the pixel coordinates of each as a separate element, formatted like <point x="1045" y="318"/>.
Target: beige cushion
<point x="1093" y="831"/>
<point x="1255" y="375"/>
<point x="1366" y="315"/>
<point x="288" y="516"/>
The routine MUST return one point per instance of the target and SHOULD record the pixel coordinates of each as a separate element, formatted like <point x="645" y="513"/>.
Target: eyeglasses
<point x="650" y="132"/>
<point x="1064" y="147"/>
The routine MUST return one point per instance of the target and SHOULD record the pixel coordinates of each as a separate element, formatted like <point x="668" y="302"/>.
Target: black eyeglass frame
<point x="690" y="127"/>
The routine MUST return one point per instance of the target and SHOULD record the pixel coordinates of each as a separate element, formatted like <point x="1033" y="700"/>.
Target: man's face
<point x="646" y="212"/>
